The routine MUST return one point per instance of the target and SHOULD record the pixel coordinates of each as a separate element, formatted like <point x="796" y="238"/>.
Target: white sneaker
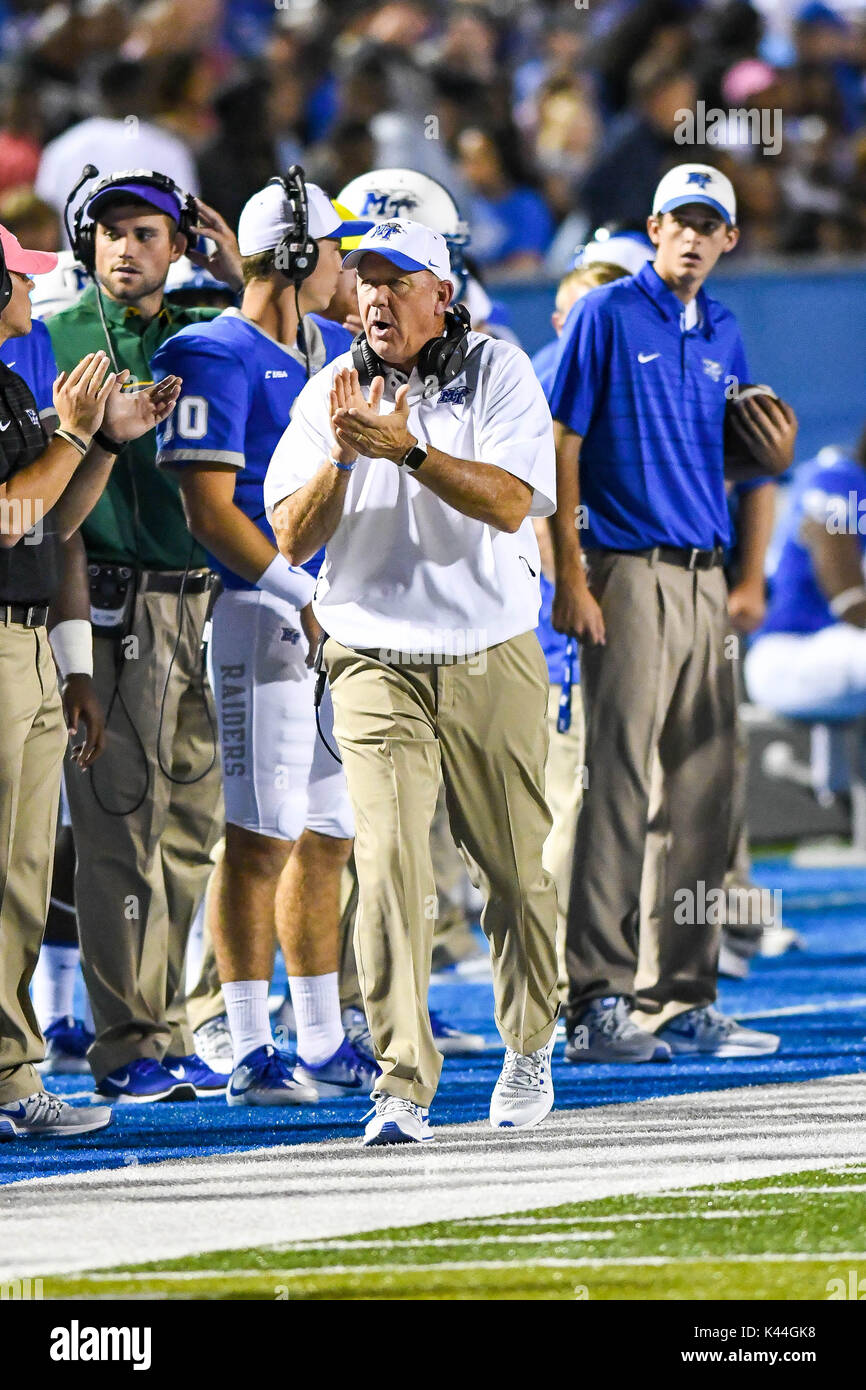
<point x="396" y="1121"/>
<point x="44" y="1114"/>
<point x="213" y="1044"/>
<point x="711" y="1033"/>
<point x="523" y="1095"/>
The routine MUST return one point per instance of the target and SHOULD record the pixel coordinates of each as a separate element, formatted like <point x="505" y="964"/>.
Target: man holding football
<point x="647" y="368"/>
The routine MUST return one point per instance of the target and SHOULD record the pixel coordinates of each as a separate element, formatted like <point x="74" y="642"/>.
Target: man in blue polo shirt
<point x="645" y="369"/>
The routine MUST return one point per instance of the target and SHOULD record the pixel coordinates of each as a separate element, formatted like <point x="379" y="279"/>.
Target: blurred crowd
<point x="544" y="119"/>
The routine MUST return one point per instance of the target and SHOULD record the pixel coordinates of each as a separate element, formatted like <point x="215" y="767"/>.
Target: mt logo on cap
<point x="385" y="230"/>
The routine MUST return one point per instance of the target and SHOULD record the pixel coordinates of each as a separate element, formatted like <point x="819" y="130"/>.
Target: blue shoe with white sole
<point x="66" y="1044"/>
<point x="203" y="1079"/>
<point x="453" y="1042"/>
<point x="347" y="1073"/>
<point x="144" y="1079"/>
<point x="264" y="1077"/>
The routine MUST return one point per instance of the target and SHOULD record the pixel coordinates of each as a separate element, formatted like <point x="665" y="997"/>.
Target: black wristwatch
<point x="415" y="456"/>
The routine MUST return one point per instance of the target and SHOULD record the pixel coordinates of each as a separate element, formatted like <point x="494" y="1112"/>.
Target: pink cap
<point x="746" y="79"/>
<point x="25" y="262"/>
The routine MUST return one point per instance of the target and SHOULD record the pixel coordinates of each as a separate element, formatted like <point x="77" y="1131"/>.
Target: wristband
<point x="72" y="645"/>
<point x="106" y="442"/>
<point x="343" y="467"/>
<point x="283" y="581"/>
<point x="75" y="440"/>
<point x="847" y="599"/>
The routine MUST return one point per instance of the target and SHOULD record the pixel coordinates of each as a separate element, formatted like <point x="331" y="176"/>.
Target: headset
<point x="5" y="282"/>
<point x="441" y="359"/>
<point x="296" y="255"/>
<point x="82" y="235"/>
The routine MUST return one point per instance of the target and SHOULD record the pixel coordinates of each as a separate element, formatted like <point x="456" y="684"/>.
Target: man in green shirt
<point x="147" y="817"/>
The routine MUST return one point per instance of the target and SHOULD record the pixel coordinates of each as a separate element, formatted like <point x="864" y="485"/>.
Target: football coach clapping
<point x="418" y="459"/>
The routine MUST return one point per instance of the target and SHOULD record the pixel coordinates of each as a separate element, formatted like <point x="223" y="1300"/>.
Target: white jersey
<point x="404" y="571"/>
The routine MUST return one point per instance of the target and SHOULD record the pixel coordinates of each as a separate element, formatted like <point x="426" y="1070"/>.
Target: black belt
<point x="686" y="558"/>
<point x="27" y="614"/>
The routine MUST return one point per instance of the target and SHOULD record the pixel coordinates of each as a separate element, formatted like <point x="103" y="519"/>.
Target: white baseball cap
<point x="268" y="216"/>
<point x="696" y="183"/>
<point x="409" y="245"/>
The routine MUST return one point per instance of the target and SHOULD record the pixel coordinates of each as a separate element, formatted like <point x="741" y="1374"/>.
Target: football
<point x="740" y="464"/>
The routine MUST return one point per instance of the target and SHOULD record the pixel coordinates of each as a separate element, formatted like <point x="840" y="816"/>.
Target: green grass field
<point x="770" y="1238"/>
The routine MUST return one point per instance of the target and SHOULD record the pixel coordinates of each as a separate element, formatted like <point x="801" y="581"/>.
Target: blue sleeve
<point x="209" y="421"/>
<point x="581" y="367"/>
<point x="45" y="369"/>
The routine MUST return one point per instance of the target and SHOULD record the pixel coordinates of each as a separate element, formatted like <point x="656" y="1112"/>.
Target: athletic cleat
<point x="710" y="1033"/>
<point x="264" y="1077"/>
<point x="43" y="1114"/>
<point x="213" y="1044"/>
<point x="523" y="1095"/>
<point x="142" y="1080"/>
<point x="606" y="1033"/>
<point x="450" y="1041"/>
<point x="395" y="1121"/>
<point x="357" y="1030"/>
<point x="66" y="1044"/>
<point x="347" y="1073"/>
<point x="203" y="1079"/>
<point x="777" y="939"/>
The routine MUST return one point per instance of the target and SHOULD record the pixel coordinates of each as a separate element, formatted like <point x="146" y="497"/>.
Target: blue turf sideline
<point x="827" y="906"/>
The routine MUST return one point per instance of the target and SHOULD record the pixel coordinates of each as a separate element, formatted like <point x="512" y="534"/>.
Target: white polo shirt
<point x="404" y="571"/>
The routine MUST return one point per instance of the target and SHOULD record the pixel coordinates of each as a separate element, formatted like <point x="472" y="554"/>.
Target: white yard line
<point x="313" y="1191"/>
<point x="179" y="1276"/>
<point x="826" y="1006"/>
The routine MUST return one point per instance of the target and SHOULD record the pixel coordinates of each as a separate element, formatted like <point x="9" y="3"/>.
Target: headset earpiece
<point x="296" y="255"/>
<point x="441" y="358"/>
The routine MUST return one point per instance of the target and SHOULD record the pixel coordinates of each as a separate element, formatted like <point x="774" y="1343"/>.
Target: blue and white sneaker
<point x="7" y="1129"/>
<point x="66" y="1044"/>
<point x="451" y="1042"/>
<point x="144" y="1079"/>
<point x="347" y="1073"/>
<point x="203" y="1079"/>
<point x="264" y="1077"/>
<point x="396" y="1121"/>
<point x="523" y="1095"/>
<point x="213" y="1044"/>
<point x="44" y="1116"/>
<point x="357" y="1030"/>
<point x="710" y="1033"/>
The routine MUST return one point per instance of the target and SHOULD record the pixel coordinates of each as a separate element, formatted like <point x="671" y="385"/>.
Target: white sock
<point x="249" y="1021"/>
<point x="54" y="983"/>
<point x="316" y="1001"/>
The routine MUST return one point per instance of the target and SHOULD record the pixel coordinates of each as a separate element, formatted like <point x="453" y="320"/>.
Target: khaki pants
<point x="140" y="876"/>
<point x="480" y="725"/>
<point x="660" y="685"/>
<point x="32" y="743"/>
<point x="563" y="792"/>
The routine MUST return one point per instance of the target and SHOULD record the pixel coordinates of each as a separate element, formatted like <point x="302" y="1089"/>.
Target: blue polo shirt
<point x="649" y="400"/>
